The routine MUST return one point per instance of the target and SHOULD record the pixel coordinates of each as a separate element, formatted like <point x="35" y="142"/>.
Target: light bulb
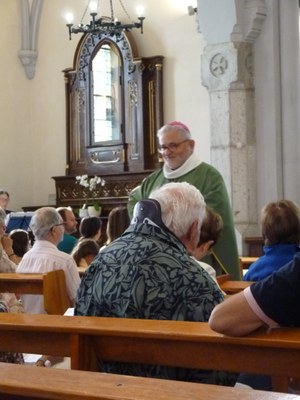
<point x="69" y="17"/>
<point x="140" y="11"/>
<point x="93" y="6"/>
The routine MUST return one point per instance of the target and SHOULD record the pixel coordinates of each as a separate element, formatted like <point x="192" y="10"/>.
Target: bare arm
<point x="234" y="317"/>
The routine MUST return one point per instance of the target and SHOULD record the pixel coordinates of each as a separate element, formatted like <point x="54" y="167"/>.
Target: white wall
<point x="277" y="104"/>
<point x="32" y="114"/>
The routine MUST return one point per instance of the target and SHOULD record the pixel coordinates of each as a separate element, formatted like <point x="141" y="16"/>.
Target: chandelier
<point x="103" y="25"/>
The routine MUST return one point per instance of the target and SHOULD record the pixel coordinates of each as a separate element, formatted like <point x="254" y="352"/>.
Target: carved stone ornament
<point x="250" y="18"/>
<point x="30" y="17"/>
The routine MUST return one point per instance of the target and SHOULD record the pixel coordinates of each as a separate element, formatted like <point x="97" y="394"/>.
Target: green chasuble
<point x="211" y="184"/>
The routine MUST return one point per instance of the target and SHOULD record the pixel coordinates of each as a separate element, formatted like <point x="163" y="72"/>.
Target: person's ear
<point x="191" y="239"/>
<point x="52" y="230"/>
<point x="192" y="144"/>
<point x="195" y="231"/>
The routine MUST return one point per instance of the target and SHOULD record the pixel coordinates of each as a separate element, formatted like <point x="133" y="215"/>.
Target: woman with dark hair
<point x="20" y="244"/>
<point x="90" y="228"/>
<point x="118" y="222"/>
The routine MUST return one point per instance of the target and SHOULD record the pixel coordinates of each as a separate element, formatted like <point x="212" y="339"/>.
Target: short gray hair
<point x="181" y="205"/>
<point x="175" y="126"/>
<point x="43" y="220"/>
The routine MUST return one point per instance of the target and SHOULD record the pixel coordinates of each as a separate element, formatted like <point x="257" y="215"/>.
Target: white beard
<point x="192" y="162"/>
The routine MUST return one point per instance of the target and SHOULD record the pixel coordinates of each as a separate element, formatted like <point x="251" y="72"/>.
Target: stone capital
<point x="227" y="66"/>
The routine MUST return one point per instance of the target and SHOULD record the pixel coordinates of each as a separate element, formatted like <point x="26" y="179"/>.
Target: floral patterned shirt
<point x="147" y="273"/>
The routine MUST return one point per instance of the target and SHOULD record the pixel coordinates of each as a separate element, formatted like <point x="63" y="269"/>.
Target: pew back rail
<point x="88" y="339"/>
<point x="17" y="382"/>
<point x="51" y="285"/>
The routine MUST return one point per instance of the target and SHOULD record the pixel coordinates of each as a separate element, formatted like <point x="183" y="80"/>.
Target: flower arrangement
<point x="90" y="184"/>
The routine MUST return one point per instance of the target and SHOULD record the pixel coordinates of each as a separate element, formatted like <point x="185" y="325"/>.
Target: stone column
<point x="227" y="72"/>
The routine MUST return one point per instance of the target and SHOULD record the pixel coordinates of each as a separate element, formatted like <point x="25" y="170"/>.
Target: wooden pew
<point x="51" y="285"/>
<point x="174" y="343"/>
<point x="245" y="263"/>
<point x="232" y="287"/>
<point x="229" y="286"/>
<point x="21" y="283"/>
<point x="25" y="382"/>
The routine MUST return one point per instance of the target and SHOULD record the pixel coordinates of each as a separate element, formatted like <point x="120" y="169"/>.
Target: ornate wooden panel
<point x="114" y="193"/>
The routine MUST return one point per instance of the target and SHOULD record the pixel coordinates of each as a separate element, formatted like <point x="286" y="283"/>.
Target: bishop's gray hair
<point x="179" y="127"/>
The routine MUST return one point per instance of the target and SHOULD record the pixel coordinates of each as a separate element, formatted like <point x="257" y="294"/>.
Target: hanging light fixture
<point x="103" y="25"/>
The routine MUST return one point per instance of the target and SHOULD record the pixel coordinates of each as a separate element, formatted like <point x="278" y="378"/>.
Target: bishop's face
<point x="174" y="148"/>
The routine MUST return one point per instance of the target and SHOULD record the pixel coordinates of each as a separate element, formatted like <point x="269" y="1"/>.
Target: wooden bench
<point x="245" y="263"/>
<point x="175" y="343"/>
<point x="231" y="287"/>
<point x="18" y="382"/>
<point x="51" y="285"/>
<point x="21" y="283"/>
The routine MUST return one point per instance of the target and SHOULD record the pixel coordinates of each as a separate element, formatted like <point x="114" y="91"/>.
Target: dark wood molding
<point x="114" y="193"/>
<point x="142" y="111"/>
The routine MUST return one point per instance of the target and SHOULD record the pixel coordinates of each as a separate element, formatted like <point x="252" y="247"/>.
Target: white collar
<point x="192" y="162"/>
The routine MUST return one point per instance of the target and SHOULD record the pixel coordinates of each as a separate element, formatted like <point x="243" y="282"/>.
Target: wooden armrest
<point x="56" y="300"/>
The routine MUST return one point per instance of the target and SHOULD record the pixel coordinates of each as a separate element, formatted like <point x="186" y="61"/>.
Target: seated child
<point x="85" y="251"/>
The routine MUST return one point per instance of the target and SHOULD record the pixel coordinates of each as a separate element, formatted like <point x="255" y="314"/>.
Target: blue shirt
<point x="274" y="257"/>
<point x="67" y="244"/>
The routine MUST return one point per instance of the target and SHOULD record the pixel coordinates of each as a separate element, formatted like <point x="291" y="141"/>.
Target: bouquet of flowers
<point x="90" y="184"/>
